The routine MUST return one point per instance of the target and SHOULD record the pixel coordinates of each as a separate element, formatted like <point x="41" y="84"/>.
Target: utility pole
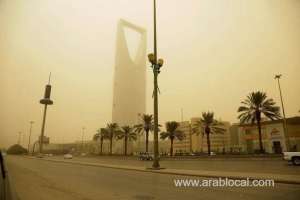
<point x="278" y="76"/>
<point x="30" y="130"/>
<point x="45" y="101"/>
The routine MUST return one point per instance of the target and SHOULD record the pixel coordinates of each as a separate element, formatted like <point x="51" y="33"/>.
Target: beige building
<point x="184" y="146"/>
<point x="196" y="142"/>
<point x="218" y="142"/>
<point x="273" y="137"/>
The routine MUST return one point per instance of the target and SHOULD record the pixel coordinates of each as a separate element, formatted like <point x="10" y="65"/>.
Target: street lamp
<point x="83" y="128"/>
<point x="278" y="76"/>
<point x="19" y="138"/>
<point x="156" y="64"/>
<point x="30" y="130"/>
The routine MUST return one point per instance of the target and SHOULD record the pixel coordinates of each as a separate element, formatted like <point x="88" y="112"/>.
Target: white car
<point x="293" y="157"/>
<point x="68" y="156"/>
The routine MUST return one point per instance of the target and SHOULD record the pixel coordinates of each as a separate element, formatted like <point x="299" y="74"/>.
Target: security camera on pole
<point x="45" y="101"/>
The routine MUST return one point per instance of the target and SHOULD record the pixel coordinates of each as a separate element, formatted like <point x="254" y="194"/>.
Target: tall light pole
<point x="156" y="65"/>
<point x="83" y="128"/>
<point x="278" y="76"/>
<point x="30" y="130"/>
<point x="45" y="101"/>
<point x="19" y="138"/>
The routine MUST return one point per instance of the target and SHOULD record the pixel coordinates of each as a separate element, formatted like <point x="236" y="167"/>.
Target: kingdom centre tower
<point x="129" y="88"/>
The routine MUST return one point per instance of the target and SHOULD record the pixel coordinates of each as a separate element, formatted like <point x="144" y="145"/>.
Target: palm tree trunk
<point x="147" y="140"/>
<point x="202" y="143"/>
<point x="101" y="146"/>
<point x="208" y="143"/>
<point x="261" y="148"/>
<point x="125" y="150"/>
<point x="110" y="146"/>
<point x="171" y="149"/>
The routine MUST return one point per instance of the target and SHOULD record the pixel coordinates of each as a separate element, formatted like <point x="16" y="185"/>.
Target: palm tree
<point x="172" y="133"/>
<point x="126" y="133"/>
<point x="101" y="135"/>
<point x="253" y="107"/>
<point x="146" y="126"/>
<point x="111" y="130"/>
<point x="208" y="125"/>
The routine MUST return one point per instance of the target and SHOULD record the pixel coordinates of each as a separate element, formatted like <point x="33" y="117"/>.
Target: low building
<point x="185" y="145"/>
<point x="273" y="136"/>
<point x="219" y="143"/>
<point x="235" y="147"/>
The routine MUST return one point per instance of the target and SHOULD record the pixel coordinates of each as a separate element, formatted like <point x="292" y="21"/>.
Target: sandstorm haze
<point x="216" y="52"/>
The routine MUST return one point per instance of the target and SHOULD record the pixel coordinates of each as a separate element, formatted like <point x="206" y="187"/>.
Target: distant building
<point x="196" y="142"/>
<point x="273" y="137"/>
<point x="185" y="145"/>
<point x="219" y="143"/>
<point x="129" y="87"/>
<point x="234" y="139"/>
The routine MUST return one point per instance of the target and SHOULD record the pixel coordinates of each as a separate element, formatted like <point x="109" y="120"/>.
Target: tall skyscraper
<point x="129" y="87"/>
<point x="129" y="95"/>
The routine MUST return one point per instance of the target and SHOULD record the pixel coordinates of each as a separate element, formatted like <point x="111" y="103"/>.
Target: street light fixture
<point x="278" y="76"/>
<point x="83" y="128"/>
<point x="155" y="65"/>
<point x="30" y="130"/>
<point x="19" y="138"/>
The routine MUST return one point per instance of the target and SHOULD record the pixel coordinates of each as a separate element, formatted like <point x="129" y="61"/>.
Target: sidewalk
<point x="278" y="178"/>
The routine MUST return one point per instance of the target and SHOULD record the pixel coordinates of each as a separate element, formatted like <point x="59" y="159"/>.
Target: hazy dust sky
<point x="216" y="52"/>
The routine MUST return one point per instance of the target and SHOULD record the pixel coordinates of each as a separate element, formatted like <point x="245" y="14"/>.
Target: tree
<point x="111" y="130"/>
<point x="126" y="133"/>
<point x="146" y="126"/>
<point x="101" y="135"/>
<point x="253" y="107"/>
<point x="208" y="125"/>
<point x="16" y="149"/>
<point x="172" y="133"/>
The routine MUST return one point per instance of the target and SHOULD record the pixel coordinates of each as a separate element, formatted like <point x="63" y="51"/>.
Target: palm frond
<point x="255" y="104"/>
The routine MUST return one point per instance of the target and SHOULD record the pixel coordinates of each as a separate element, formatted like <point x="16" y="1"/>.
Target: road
<point x="44" y="180"/>
<point x="252" y="165"/>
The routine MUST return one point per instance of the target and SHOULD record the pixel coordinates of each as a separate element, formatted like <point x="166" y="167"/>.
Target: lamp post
<point x="278" y="76"/>
<point x="83" y="128"/>
<point x="156" y="64"/>
<point x="19" y="138"/>
<point x="30" y="130"/>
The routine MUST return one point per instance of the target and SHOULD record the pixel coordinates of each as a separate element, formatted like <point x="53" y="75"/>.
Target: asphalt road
<point x="44" y="180"/>
<point x="252" y="165"/>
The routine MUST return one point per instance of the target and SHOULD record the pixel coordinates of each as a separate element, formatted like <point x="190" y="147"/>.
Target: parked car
<point x="146" y="156"/>
<point x="68" y="156"/>
<point x="293" y="157"/>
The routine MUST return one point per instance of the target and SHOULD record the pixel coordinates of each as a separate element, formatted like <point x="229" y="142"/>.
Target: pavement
<point x="278" y="176"/>
<point x="43" y="179"/>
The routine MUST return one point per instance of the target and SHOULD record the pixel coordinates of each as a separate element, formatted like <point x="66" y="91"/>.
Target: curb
<point x="193" y="173"/>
